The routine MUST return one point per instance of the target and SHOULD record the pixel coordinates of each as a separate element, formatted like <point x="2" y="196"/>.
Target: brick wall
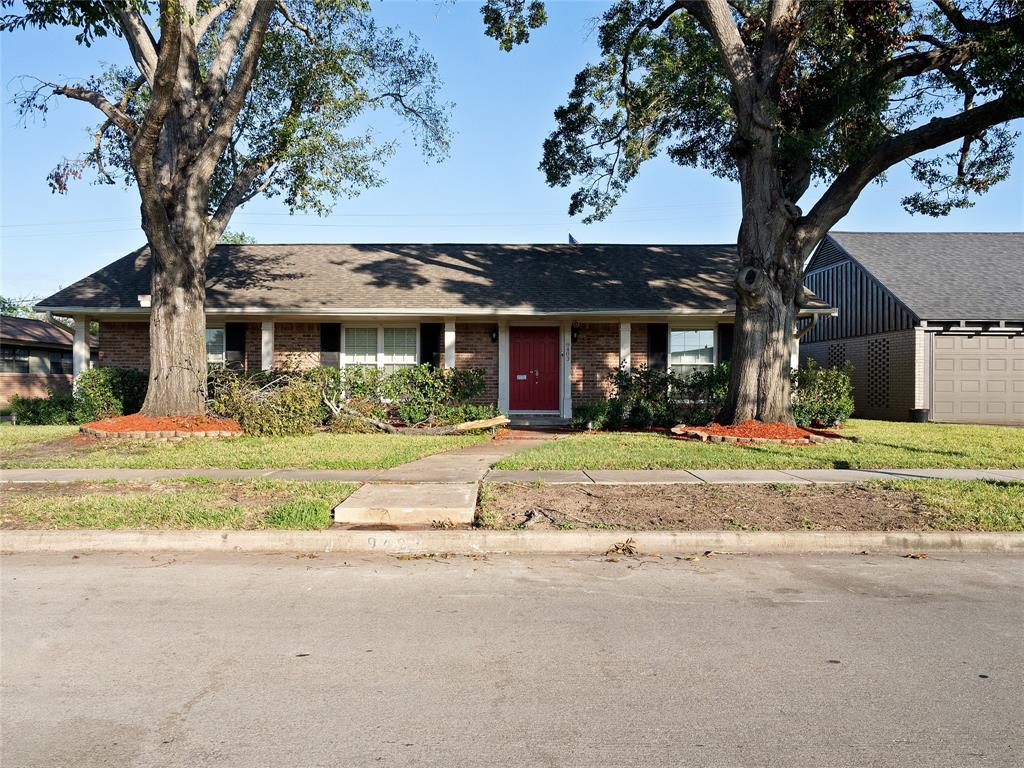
<point x="31" y="384"/>
<point x="253" y="346"/>
<point x="474" y="349"/>
<point x="638" y="345"/>
<point x="885" y="365"/>
<point x="595" y="357"/>
<point x="124" y="345"/>
<point x="296" y="345"/>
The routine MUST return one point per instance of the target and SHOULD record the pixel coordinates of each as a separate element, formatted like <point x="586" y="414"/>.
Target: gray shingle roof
<point x="946" y="275"/>
<point x="437" y="278"/>
<point x="28" y="330"/>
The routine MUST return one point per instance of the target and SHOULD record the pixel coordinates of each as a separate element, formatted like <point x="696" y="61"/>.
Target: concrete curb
<point x="510" y="542"/>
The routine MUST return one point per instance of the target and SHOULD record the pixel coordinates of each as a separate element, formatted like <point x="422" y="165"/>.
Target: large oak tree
<point x="794" y="100"/>
<point x="225" y="101"/>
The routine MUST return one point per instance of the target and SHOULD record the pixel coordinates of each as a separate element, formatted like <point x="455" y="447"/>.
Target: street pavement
<point x="732" y="660"/>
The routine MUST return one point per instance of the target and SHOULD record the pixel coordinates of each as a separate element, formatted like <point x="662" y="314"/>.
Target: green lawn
<point x="969" y="505"/>
<point x="178" y="504"/>
<point x="883" y="444"/>
<point x="61" y="447"/>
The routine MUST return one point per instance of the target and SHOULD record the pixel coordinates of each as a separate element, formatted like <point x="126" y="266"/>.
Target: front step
<point x="409" y="504"/>
<point x="538" y="421"/>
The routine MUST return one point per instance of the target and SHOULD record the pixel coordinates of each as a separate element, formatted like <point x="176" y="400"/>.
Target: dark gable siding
<point x="865" y="306"/>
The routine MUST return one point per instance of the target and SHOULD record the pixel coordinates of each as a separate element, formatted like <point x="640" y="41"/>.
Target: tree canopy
<point x="842" y="83"/>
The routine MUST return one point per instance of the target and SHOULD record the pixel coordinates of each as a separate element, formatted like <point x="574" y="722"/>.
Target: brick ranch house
<point x="35" y="356"/>
<point x="548" y="324"/>
<point x="933" y="322"/>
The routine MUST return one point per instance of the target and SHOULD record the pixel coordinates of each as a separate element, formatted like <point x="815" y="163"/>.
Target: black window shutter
<point x="430" y="344"/>
<point x="725" y="333"/>
<point x="330" y="345"/>
<point x="234" y="344"/>
<point x="657" y="346"/>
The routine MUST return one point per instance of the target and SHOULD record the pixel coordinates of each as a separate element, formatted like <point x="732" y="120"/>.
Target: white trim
<point x="449" y="342"/>
<point x="428" y="312"/>
<point x="267" y="345"/>
<point x="503" y="369"/>
<point x="80" y="346"/>
<point x="625" y="345"/>
<point x="565" y="383"/>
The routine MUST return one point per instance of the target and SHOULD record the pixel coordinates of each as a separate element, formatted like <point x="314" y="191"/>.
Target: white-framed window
<point x="691" y="349"/>
<point x="386" y="347"/>
<point x="398" y="349"/>
<point x="215" y="346"/>
<point x="360" y="346"/>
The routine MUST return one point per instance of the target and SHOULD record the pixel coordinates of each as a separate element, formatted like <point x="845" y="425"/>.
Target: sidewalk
<point x="471" y="464"/>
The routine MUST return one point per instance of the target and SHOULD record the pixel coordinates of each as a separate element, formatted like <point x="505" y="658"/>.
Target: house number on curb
<point x="401" y="542"/>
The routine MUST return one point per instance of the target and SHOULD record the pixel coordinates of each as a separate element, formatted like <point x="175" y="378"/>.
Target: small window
<point x="399" y="348"/>
<point x="361" y="346"/>
<point x="691" y="350"/>
<point x="39" y="361"/>
<point x="61" y="362"/>
<point x="14" y="359"/>
<point x="215" y="346"/>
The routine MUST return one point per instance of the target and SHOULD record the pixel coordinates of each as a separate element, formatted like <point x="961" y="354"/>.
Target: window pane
<point x="215" y="346"/>
<point x="360" y="346"/>
<point x="691" y="349"/>
<point x="399" y="348"/>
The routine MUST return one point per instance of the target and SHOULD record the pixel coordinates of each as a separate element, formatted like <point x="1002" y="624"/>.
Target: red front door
<point x="533" y="369"/>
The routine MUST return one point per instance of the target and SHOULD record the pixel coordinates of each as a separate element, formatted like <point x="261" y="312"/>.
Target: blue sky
<point x="488" y="190"/>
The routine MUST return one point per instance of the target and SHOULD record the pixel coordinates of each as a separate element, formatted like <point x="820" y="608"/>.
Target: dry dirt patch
<point x="706" y="507"/>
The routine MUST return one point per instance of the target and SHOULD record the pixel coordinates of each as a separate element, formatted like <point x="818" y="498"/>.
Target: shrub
<point x="646" y="398"/>
<point x="101" y="393"/>
<point x="822" y="396"/>
<point x="422" y="394"/>
<point x="590" y="415"/>
<point x="58" y="407"/>
<point x="267" y="402"/>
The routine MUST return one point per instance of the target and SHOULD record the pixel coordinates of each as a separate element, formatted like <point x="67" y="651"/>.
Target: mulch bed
<point x="756" y="432"/>
<point x="710" y="507"/>
<point x="162" y="428"/>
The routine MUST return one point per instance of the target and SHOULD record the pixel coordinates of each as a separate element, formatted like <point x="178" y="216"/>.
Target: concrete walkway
<point x="474" y="469"/>
<point x="741" y="476"/>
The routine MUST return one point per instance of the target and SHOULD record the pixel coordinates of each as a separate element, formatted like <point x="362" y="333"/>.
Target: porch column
<point x="566" y="370"/>
<point x="449" y="342"/>
<point x="80" y="348"/>
<point x="625" y="346"/>
<point x="267" y="348"/>
<point x="503" y="366"/>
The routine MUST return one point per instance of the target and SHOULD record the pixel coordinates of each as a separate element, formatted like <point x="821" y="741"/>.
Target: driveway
<point x="857" y="660"/>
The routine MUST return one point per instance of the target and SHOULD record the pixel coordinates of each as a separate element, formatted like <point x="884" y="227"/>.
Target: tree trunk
<point x="177" y="334"/>
<point x="769" y="286"/>
<point x="759" y="387"/>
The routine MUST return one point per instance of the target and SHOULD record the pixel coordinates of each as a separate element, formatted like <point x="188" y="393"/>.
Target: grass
<point x="187" y="503"/>
<point x="24" y="446"/>
<point x="883" y="444"/>
<point x="969" y="505"/>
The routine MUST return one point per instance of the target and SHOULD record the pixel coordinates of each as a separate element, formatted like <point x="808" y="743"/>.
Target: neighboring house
<point x="930" y="321"/>
<point x="548" y="324"/>
<point x="35" y="356"/>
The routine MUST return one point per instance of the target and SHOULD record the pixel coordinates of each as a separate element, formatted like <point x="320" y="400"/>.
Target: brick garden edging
<point x="158" y="435"/>
<point x="704" y="437"/>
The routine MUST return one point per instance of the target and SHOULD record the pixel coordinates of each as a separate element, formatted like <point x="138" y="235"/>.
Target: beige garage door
<point x="978" y="379"/>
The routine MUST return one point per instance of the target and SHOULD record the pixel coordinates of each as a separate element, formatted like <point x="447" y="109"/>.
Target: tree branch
<point x="220" y="135"/>
<point x="140" y="39"/>
<point x="847" y="186"/>
<point x="780" y="37"/>
<point x="215" y="12"/>
<point x="216" y="78"/>
<point x="98" y="100"/>
<point x="966" y="26"/>
<point x="291" y="19"/>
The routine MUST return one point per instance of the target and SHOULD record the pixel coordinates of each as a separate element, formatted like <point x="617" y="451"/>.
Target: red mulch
<point x="754" y="428"/>
<point x="139" y="423"/>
